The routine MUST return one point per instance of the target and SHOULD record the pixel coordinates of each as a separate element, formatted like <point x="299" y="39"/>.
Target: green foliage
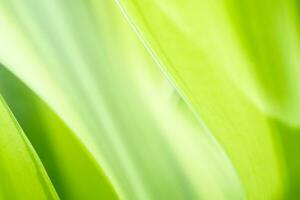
<point x="150" y="99"/>
<point x="21" y="172"/>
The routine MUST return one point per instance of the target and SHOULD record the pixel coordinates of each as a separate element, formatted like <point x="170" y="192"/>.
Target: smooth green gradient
<point x="151" y="99"/>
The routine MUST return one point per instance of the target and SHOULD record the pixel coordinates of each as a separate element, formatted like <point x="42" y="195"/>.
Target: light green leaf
<point x="86" y="63"/>
<point x="72" y="170"/>
<point x="22" y="175"/>
<point x="235" y="89"/>
<point x="170" y="99"/>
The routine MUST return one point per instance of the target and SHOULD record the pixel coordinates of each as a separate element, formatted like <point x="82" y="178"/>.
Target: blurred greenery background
<point x="149" y="99"/>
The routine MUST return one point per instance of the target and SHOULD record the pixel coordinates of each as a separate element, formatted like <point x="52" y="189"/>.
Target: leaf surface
<point x="22" y="175"/>
<point x="84" y="61"/>
<point x="72" y="170"/>
<point x="237" y="76"/>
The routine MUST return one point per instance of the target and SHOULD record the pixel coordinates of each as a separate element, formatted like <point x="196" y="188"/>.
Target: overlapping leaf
<point x="87" y="64"/>
<point x="237" y="63"/>
<point x="22" y="174"/>
<point x="72" y="170"/>
<point x="225" y="125"/>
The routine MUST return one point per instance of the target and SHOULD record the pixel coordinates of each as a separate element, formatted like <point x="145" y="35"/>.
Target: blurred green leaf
<point x="85" y="62"/>
<point x="22" y="175"/>
<point x="237" y="64"/>
<point x="72" y="170"/>
<point x="157" y="99"/>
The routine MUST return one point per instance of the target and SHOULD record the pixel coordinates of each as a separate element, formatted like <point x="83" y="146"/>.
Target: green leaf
<point x="72" y="170"/>
<point x="85" y="62"/>
<point x="22" y="175"/>
<point x="162" y="99"/>
<point x="237" y="64"/>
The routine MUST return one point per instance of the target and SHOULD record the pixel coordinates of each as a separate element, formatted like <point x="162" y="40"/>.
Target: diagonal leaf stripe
<point x="127" y="116"/>
<point x="17" y="157"/>
<point x="149" y="99"/>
